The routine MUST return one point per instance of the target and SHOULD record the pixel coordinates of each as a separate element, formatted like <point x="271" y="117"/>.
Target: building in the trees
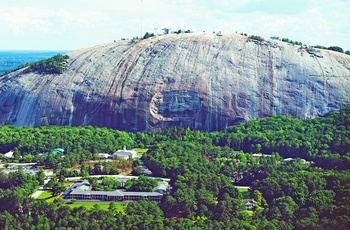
<point x="258" y="155"/>
<point x="104" y="155"/>
<point x="249" y="204"/>
<point x="82" y="191"/>
<point x="124" y="154"/>
<point x="8" y="154"/>
<point x="58" y="150"/>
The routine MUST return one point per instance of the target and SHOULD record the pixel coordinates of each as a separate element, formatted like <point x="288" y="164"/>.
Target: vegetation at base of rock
<point x="295" y="193"/>
<point x="54" y="65"/>
<point x="322" y="140"/>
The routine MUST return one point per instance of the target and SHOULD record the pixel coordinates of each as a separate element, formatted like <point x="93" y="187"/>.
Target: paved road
<point x="27" y="169"/>
<point x="246" y="187"/>
<point x="40" y="190"/>
<point x="145" y="170"/>
<point x="38" y="193"/>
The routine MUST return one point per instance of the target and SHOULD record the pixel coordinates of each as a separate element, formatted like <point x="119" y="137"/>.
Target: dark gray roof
<point x="84" y="189"/>
<point x="89" y="192"/>
<point x="141" y="193"/>
<point x="162" y="187"/>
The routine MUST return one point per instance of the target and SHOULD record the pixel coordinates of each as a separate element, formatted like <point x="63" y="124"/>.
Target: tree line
<point x="334" y="48"/>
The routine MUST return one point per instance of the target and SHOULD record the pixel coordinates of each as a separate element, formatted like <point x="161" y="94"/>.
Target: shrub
<point x="275" y="38"/>
<point x="320" y="47"/>
<point x="147" y="35"/>
<point x="54" y="65"/>
<point x="292" y="42"/>
<point x="336" y="48"/>
<point x="257" y="38"/>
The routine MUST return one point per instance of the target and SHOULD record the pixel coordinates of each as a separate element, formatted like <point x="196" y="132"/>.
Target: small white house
<point x="103" y="155"/>
<point x="124" y="154"/>
<point x="249" y="204"/>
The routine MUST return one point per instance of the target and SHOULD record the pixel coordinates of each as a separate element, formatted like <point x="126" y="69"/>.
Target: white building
<point x="9" y="154"/>
<point x="82" y="191"/>
<point x="124" y="154"/>
<point x="249" y="204"/>
<point x="103" y="155"/>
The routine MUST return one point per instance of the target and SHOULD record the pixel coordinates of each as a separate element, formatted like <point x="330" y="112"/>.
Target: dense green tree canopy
<point x="308" y="191"/>
<point x="142" y="184"/>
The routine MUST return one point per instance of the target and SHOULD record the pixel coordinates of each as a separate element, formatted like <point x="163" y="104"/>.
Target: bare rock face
<point x="202" y="81"/>
<point x="175" y="105"/>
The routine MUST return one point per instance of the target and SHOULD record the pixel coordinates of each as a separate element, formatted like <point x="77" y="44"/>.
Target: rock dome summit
<point x="202" y="81"/>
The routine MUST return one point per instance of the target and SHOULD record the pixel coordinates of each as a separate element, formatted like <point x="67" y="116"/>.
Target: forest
<point x="300" y="179"/>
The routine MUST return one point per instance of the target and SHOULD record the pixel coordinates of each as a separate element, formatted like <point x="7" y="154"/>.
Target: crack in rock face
<point x="175" y="105"/>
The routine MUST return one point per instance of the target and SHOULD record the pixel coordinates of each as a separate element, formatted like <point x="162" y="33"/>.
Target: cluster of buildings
<point x="123" y="154"/>
<point x="82" y="191"/>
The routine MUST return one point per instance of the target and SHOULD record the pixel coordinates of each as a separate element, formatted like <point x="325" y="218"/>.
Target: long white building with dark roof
<point x="82" y="191"/>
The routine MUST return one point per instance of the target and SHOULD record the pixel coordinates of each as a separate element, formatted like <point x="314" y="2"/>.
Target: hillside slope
<point x="202" y="81"/>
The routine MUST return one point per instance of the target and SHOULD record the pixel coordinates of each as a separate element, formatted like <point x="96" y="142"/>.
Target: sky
<point x="75" y="24"/>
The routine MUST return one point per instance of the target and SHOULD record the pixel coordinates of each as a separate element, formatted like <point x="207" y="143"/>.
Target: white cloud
<point x="39" y="24"/>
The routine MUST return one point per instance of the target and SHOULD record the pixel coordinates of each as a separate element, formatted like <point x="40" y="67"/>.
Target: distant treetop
<point x="257" y="38"/>
<point x="54" y="65"/>
<point x="334" y="48"/>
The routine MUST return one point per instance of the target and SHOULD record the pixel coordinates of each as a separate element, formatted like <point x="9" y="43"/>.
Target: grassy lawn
<point x="244" y="192"/>
<point x="103" y="205"/>
<point x="140" y="151"/>
<point x="47" y="195"/>
<point x="68" y="183"/>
